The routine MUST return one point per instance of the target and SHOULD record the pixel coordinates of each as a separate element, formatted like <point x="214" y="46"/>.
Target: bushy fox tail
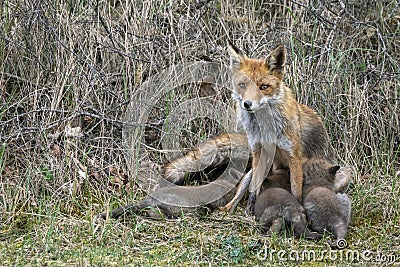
<point x="213" y="152"/>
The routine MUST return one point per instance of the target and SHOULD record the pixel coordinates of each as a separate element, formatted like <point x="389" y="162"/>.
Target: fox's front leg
<point x="258" y="166"/>
<point x="296" y="177"/>
<point x="244" y="184"/>
<point x="240" y="191"/>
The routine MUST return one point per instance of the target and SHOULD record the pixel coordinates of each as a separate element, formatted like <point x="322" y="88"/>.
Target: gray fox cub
<point x="275" y="207"/>
<point x="326" y="209"/>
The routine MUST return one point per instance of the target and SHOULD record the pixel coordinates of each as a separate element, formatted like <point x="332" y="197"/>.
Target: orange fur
<point x="270" y="114"/>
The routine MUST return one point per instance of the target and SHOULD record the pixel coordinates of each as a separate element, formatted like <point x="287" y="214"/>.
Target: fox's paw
<point x="249" y="209"/>
<point x="226" y="208"/>
<point x="251" y="202"/>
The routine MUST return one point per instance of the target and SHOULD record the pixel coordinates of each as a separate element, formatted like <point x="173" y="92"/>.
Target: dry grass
<point x="67" y="66"/>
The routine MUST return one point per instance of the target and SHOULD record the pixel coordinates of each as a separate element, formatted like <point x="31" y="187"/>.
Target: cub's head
<point x="257" y="82"/>
<point x="319" y="172"/>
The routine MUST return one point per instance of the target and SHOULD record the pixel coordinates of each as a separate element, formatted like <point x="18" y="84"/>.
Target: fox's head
<point x="319" y="172"/>
<point x="257" y="82"/>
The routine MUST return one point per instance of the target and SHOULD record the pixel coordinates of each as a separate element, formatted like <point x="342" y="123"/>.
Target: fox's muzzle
<point x="247" y="105"/>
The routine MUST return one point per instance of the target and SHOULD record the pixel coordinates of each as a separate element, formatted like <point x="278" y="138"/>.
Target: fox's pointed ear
<point x="333" y="170"/>
<point x="235" y="54"/>
<point x="276" y="60"/>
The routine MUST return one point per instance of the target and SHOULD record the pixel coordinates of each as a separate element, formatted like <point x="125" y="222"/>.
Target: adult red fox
<point x="271" y="118"/>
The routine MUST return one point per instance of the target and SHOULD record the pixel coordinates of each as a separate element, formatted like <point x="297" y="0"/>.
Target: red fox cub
<point x="270" y="116"/>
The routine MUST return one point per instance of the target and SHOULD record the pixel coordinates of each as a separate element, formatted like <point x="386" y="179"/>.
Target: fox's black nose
<point x="247" y="104"/>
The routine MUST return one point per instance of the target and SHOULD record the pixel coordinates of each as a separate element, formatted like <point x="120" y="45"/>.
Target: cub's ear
<point x="333" y="170"/>
<point x="276" y="60"/>
<point x="236" y="55"/>
<point x="343" y="178"/>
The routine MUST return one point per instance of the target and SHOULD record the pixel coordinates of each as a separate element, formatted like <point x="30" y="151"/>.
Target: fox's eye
<point x="264" y="87"/>
<point x="242" y="85"/>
